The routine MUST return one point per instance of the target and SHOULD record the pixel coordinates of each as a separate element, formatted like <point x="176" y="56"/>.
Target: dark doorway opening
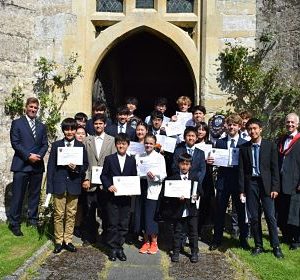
<point x="144" y="66"/>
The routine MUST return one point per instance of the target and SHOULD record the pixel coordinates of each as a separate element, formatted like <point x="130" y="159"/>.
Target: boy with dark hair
<point x="64" y="183"/>
<point x="81" y="119"/>
<point x="156" y="123"/>
<point x="198" y="112"/>
<point x="245" y="118"/>
<point x="160" y="105"/>
<point x="259" y="184"/>
<point x="132" y="104"/>
<point x="118" y="207"/>
<point x="182" y="212"/>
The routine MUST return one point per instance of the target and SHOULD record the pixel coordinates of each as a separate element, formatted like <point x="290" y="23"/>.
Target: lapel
<point x="240" y="142"/>
<point x="261" y="153"/>
<point x="249" y="153"/>
<point x="224" y="142"/>
<point x="116" y="160"/>
<point x="103" y="147"/>
<point x="24" y="119"/>
<point x="92" y="146"/>
<point x="126" y="165"/>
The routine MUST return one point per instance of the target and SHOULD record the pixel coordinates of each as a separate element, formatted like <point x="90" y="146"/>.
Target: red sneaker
<point x="153" y="248"/>
<point x="145" y="248"/>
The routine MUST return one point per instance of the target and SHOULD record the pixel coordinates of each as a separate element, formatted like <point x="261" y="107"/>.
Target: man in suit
<point x="122" y="125"/>
<point x="64" y="182"/>
<point x="227" y="185"/>
<point x="156" y="121"/>
<point x="289" y="198"/>
<point x="259" y="184"/>
<point x="118" y="207"/>
<point x="98" y="147"/>
<point x="28" y="138"/>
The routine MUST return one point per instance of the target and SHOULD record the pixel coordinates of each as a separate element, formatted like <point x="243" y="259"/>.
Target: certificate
<point x="167" y="143"/>
<point x="234" y="156"/>
<point x="206" y="148"/>
<point x="144" y="165"/>
<point x="127" y="185"/>
<point x="96" y="172"/>
<point x="178" y="188"/>
<point x="135" y="148"/>
<point x="67" y="155"/>
<point x="174" y="128"/>
<point x="183" y="117"/>
<point x="221" y="157"/>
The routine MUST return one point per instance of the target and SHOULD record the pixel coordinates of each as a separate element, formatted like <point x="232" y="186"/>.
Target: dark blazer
<point x="111" y="168"/>
<point x="171" y="208"/>
<point x="268" y="163"/>
<point x="290" y="166"/>
<point x="24" y="143"/>
<point x="62" y="179"/>
<point x="112" y="130"/>
<point x="228" y="176"/>
<point x="198" y="162"/>
<point x="161" y="131"/>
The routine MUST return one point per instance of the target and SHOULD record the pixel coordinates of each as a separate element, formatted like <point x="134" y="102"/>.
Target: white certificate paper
<point x="127" y="185"/>
<point x="167" y="143"/>
<point x="67" y="155"/>
<point x="174" y="128"/>
<point x="183" y="117"/>
<point x="135" y="148"/>
<point x="234" y="156"/>
<point x="96" y="172"/>
<point x="206" y="148"/>
<point x="178" y="188"/>
<point x="144" y="165"/>
<point x="221" y="157"/>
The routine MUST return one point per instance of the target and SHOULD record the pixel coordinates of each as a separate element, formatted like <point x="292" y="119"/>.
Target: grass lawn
<point x="15" y="250"/>
<point x="266" y="266"/>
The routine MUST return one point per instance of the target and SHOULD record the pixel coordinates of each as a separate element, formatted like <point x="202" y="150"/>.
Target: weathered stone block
<point x="13" y="48"/>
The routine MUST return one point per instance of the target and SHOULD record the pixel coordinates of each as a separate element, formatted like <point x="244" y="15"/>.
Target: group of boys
<point x="256" y="181"/>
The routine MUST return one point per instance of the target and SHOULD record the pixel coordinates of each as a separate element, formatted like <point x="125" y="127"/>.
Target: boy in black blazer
<point x="118" y="207"/>
<point x="182" y="212"/>
<point x="64" y="182"/>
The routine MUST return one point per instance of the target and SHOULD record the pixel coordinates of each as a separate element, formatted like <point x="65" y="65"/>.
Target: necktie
<point x="185" y="178"/>
<point x="232" y="144"/>
<point x="68" y="144"/>
<point x="154" y="132"/>
<point x="190" y="151"/>
<point x="244" y="134"/>
<point x="32" y="124"/>
<point x="291" y="137"/>
<point x="121" y="128"/>
<point x="256" y="156"/>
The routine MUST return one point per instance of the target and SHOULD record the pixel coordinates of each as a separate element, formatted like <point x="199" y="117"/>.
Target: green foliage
<point x="256" y="88"/>
<point x="14" y="105"/>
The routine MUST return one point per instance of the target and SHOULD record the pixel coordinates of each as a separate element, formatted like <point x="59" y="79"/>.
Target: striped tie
<point x="33" y="128"/>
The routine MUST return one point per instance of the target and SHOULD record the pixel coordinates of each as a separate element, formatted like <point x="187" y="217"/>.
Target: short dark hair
<point x="189" y="129"/>
<point x="80" y="116"/>
<point x="204" y="125"/>
<point x="99" y="106"/>
<point x="31" y="100"/>
<point x="122" y="137"/>
<point x="254" y="121"/>
<point x="68" y="123"/>
<point x="198" y="108"/>
<point x="157" y="115"/>
<point x="132" y="100"/>
<point x="123" y="110"/>
<point x="101" y="117"/>
<point x="161" y="101"/>
<point x="184" y="157"/>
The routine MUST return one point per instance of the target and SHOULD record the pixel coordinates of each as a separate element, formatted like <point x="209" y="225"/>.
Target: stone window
<point x="180" y="6"/>
<point x="145" y="4"/>
<point x="115" y="6"/>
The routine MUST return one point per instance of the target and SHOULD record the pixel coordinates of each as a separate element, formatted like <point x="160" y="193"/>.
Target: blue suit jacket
<point x="24" y="143"/>
<point x="62" y="179"/>
<point x="112" y="130"/>
<point x="111" y="168"/>
<point x="228" y="176"/>
<point x="198" y="162"/>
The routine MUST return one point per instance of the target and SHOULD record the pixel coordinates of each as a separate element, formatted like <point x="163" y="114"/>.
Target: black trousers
<point x="222" y="199"/>
<point x="22" y="181"/>
<point x="118" y="211"/>
<point x="256" y="201"/>
<point x="179" y="225"/>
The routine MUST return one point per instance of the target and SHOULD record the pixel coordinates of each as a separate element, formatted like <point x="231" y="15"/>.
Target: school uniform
<point x="118" y="207"/>
<point x="65" y="185"/>
<point x="116" y="128"/>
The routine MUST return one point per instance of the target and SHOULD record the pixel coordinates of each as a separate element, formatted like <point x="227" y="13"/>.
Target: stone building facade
<point x="126" y="47"/>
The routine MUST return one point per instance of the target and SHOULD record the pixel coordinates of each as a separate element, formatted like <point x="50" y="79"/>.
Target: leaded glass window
<point x="109" y="6"/>
<point x="145" y="4"/>
<point x="180" y="6"/>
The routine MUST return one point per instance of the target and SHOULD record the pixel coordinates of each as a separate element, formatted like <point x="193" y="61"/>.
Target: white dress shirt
<point x="122" y="161"/>
<point x="69" y="143"/>
<point x="185" y="211"/>
<point x="236" y="138"/>
<point x="289" y="140"/>
<point x="98" y="142"/>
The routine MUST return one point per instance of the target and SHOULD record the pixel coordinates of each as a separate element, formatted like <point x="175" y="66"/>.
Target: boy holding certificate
<point x="64" y="182"/>
<point x="182" y="211"/>
<point x="118" y="207"/>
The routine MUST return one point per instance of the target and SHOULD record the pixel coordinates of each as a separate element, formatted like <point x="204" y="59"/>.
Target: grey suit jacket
<point x="108" y="148"/>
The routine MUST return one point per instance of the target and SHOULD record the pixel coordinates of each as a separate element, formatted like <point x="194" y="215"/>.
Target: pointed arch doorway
<point x="145" y="66"/>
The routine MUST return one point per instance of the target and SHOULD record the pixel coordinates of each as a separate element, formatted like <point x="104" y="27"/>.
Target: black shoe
<point x="256" y="251"/>
<point x="15" y="230"/>
<point x="194" y="258"/>
<point x="278" y="253"/>
<point x="121" y="256"/>
<point x="57" y="248"/>
<point x="112" y="255"/>
<point x="175" y="257"/>
<point x="244" y="245"/>
<point x="70" y="247"/>
<point x="294" y="246"/>
<point x="213" y="246"/>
